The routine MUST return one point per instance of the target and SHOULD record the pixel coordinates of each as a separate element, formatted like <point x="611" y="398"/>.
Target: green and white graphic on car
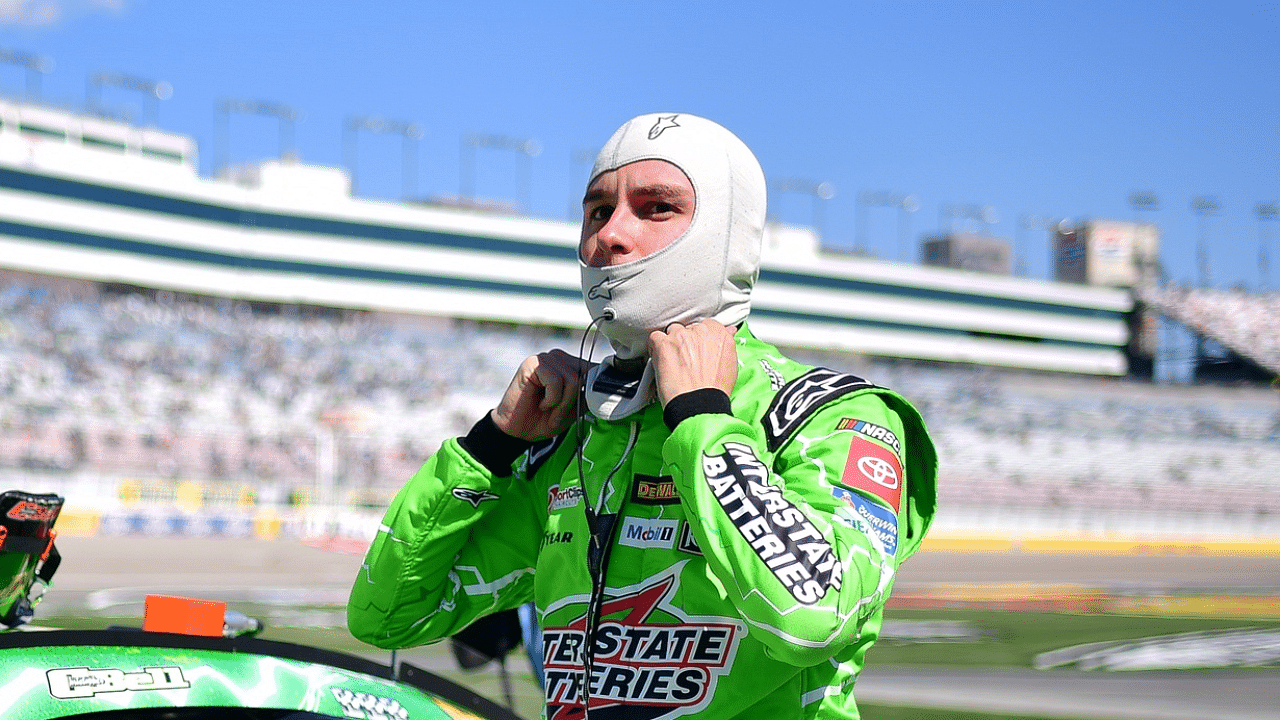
<point x="48" y="682"/>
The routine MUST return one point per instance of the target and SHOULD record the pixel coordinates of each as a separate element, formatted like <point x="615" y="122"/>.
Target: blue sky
<point x="1032" y="108"/>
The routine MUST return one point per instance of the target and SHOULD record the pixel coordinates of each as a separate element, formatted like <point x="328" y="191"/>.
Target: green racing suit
<point x="736" y="566"/>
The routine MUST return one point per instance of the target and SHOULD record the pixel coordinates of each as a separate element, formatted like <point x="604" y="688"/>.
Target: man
<point x="717" y="534"/>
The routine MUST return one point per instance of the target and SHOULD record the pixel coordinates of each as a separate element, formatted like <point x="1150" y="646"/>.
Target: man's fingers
<point x="552" y="383"/>
<point x="538" y="403"/>
<point x="691" y="357"/>
<point x="559" y="374"/>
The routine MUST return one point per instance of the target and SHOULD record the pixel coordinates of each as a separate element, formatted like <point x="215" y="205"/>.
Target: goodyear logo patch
<point x="556" y="538"/>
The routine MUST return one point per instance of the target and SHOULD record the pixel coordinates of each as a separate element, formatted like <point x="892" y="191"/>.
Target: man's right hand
<point x="542" y="399"/>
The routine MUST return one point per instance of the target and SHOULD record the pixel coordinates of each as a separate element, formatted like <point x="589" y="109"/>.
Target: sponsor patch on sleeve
<point x="874" y="469"/>
<point x="873" y="431"/>
<point x="868" y="518"/>
<point x="791" y="546"/>
<point x="803" y="397"/>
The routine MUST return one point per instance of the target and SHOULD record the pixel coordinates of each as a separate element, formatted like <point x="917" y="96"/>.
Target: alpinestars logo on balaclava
<point x="708" y="272"/>
<point x="664" y="122"/>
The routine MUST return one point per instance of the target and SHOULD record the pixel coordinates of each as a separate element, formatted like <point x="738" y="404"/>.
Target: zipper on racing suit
<point x="602" y="527"/>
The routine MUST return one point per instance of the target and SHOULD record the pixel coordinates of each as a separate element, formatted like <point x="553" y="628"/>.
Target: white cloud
<point x="48" y="12"/>
<point x="29" y="12"/>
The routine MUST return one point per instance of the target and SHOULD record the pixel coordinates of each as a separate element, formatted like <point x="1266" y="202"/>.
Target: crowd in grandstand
<point x="149" y="390"/>
<point x="1247" y="322"/>
<point x="155" y="385"/>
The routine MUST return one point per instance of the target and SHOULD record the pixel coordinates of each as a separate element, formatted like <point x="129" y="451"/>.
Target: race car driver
<point x="706" y="527"/>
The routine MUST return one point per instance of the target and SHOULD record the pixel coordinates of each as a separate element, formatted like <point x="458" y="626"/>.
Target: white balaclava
<point x="708" y="271"/>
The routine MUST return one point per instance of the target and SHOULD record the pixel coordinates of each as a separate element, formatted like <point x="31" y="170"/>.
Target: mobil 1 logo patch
<point x="648" y="533"/>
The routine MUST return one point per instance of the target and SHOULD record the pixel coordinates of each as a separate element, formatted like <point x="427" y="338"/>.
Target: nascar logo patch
<point x="873" y="431"/>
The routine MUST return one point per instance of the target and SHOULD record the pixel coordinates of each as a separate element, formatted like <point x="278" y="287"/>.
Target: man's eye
<point x="600" y="213"/>
<point x="661" y="208"/>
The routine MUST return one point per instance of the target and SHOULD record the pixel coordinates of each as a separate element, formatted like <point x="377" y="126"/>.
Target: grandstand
<point x="267" y="353"/>
<point x="120" y="396"/>
<point x="73" y="204"/>
<point x="1247" y="325"/>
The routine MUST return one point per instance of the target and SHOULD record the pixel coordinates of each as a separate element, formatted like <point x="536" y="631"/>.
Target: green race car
<point x="114" y="674"/>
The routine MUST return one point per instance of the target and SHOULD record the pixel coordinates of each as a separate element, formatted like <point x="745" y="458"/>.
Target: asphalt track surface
<point x="100" y="571"/>
<point x="1153" y="571"/>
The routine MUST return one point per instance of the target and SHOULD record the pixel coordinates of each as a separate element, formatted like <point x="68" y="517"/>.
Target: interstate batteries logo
<point x="779" y="533"/>
<point x="647" y="656"/>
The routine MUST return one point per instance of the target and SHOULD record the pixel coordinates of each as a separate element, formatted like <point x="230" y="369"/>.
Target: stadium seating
<point x="125" y="396"/>
<point x="1248" y="323"/>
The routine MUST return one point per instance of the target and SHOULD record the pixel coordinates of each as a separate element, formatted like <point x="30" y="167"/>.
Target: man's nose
<point x="618" y="236"/>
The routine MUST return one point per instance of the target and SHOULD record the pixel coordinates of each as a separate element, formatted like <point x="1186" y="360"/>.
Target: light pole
<point x="222" y="121"/>
<point x="151" y="90"/>
<point x="35" y="65"/>
<point x="906" y="205"/>
<point x="1266" y="211"/>
<point x="1204" y="207"/>
<point x="1144" y="202"/>
<point x="526" y="147"/>
<point x="1141" y="201"/>
<point x="821" y="192"/>
<point x="410" y="132"/>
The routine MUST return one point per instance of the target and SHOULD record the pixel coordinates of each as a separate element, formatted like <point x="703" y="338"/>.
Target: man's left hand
<point x="692" y="357"/>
